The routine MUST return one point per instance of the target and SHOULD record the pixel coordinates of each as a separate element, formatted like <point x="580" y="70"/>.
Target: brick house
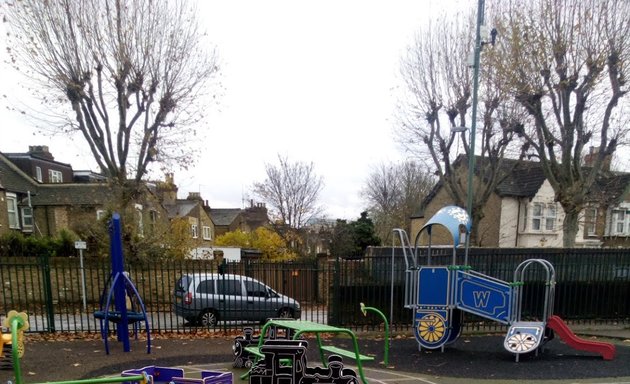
<point x="192" y="209"/>
<point x="44" y="196"/>
<point x="44" y="208"/>
<point x="40" y="164"/>
<point x="247" y="219"/>
<point x="522" y="212"/>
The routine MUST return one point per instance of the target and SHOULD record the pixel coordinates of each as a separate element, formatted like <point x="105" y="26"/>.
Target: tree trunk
<point x="570" y="226"/>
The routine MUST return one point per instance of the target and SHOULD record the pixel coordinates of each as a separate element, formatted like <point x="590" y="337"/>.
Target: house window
<point x="194" y="231"/>
<point x="100" y="214"/>
<point x="207" y="234"/>
<point x="550" y="217"/>
<point x="543" y="217"/>
<point x="27" y="219"/>
<point x="153" y="217"/>
<point x="620" y="222"/>
<point x="55" y="176"/>
<point x="590" y="221"/>
<point x="38" y="174"/>
<point x="12" y="211"/>
<point x="140" y="221"/>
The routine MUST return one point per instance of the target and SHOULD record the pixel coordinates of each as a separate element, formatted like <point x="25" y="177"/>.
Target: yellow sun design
<point x="431" y="327"/>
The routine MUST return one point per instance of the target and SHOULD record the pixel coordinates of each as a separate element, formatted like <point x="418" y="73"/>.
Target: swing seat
<point x="116" y="316"/>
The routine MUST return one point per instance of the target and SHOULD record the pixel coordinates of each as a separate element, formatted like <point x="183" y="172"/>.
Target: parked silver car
<point x="205" y="299"/>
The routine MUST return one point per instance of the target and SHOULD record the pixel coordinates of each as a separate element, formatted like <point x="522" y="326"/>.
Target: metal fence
<point x="593" y="285"/>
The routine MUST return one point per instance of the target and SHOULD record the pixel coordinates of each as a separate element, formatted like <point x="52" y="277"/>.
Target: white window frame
<point x="551" y="213"/>
<point x="194" y="231"/>
<point x="27" y="219"/>
<point x="38" y="174"/>
<point x="12" y="211"/>
<point x="537" y="216"/>
<point x="543" y="217"/>
<point x="206" y="232"/>
<point x="100" y="214"/>
<point x="620" y="222"/>
<point x="55" y="176"/>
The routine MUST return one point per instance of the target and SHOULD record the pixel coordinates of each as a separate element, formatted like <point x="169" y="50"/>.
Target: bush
<point x="14" y="244"/>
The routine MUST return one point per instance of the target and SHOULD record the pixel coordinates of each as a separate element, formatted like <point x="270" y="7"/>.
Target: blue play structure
<point x="170" y="375"/>
<point x="120" y="302"/>
<point x="440" y="294"/>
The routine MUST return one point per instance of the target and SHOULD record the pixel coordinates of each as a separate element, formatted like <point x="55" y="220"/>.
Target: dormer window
<point x="38" y="174"/>
<point x="55" y="176"/>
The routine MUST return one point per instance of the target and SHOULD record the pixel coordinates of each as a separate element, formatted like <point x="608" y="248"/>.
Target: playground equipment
<point x="17" y="323"/>
<point x="441" y="294"/>
<point x="119" y="291"/>
<point x="364" y="310"/>
<point x="285" y="362"/>
<point x="245" y="359"/>
<point x="171" y="375"/>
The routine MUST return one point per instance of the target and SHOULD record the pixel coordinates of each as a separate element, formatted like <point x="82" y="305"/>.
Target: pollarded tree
<point x="132" y="72"/>
<point x="435" y="114"/>
<point x="394" y="193"/>
<point x="566" y="63"/>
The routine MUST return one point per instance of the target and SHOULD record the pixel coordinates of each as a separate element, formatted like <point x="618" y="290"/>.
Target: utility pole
<point x="473" y="129"/>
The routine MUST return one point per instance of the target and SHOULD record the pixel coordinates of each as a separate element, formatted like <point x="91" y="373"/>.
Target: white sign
<point x="80" y="245"/>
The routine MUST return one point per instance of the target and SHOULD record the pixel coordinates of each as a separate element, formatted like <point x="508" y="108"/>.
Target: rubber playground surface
<point x="471" y="358"/>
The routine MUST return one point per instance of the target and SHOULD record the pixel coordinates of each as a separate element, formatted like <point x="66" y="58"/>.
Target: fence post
<point x="47" y="285"/>
<point x="336" y="307"/>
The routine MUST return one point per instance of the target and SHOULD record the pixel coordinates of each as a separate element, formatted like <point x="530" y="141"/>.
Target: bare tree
<point x="565" y="62"/>
<point x="132" y="71"/>
<point x="394" y="193"/>
<point x="434" y="116"/>
<point x="291" y="190"/>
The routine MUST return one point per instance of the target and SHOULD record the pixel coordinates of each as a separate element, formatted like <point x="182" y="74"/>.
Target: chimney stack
<point x="41" y="151"/>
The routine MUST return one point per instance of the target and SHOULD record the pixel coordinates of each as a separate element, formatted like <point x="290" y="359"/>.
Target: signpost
<point x="81" y="245"/>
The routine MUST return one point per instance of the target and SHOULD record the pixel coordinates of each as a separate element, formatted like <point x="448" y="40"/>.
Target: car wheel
<point x="208" y="318"/>
<point x="285" y="313"/>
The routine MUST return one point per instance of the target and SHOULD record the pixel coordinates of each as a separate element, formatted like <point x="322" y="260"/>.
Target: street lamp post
<point x="471" y="150"/>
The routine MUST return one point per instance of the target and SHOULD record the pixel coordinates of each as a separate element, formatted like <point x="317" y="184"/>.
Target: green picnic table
<point x="302" y="327"/>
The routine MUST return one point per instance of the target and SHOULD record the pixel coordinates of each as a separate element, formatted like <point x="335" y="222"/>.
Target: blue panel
<point x="484" y="296"/>
<point x="433" y="289"/>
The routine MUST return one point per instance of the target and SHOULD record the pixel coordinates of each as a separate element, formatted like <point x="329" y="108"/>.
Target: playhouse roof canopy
<point x="455" y="219"/>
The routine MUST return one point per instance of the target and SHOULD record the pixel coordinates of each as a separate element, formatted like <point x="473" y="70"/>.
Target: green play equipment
<point x="364" y="309"/>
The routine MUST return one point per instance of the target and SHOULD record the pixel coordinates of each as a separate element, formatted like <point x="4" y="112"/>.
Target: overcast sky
<point x="315" y="81"/>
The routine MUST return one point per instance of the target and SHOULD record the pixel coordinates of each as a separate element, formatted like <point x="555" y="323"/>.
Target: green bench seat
<point x="345" y="353"/>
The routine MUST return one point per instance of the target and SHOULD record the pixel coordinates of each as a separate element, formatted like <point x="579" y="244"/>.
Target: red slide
<point x="561" y="329"/>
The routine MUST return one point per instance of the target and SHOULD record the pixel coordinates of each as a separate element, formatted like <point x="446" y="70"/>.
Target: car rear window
<point x="182" y="284"/>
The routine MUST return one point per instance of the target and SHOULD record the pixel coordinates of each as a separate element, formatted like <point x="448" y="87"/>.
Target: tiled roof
<point x="13" y="179"/>
<point x="524" y="180"/>
<point x="526" y="177"/>
<point x="223" y="216"/>
<point x="73" y="194"/>
<point x="34" y="156"/>
<point x="611" y="188"/>
<point x="181" y="208"/>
